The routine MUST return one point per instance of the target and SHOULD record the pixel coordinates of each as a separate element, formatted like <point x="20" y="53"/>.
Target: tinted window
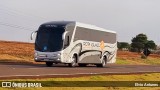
<point x="49" y="39"/>
<point x="94" y="35"/>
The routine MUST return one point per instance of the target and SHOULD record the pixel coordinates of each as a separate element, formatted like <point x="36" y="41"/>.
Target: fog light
<point x="58" y="59"/>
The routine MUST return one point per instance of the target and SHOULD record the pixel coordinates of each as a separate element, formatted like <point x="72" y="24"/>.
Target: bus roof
<point x="78" y="24"/>
<point x="59" y="23"/>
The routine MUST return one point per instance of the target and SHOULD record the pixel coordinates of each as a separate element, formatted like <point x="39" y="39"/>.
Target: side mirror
<point x="64" y="35"/>
<point x="32" y="34"/>
<point x="66" y="39"/>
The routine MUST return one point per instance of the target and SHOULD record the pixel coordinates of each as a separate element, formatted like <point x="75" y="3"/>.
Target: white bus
<point x="74" y="43"/>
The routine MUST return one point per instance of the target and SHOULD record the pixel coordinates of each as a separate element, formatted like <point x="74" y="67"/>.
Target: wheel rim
<point x="104" y="62"/>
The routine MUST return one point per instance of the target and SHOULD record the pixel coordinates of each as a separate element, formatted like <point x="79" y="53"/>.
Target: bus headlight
<point x="59" y="54"/>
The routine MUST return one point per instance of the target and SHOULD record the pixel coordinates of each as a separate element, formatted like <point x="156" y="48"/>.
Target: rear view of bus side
<point x="74" y="43"/>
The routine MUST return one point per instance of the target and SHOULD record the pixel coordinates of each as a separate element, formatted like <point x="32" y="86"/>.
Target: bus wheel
<point x="103" y="63"/>
<point x="73" y="64"/>
<point x="49" y="64"/>
<point x="82" y="65"/>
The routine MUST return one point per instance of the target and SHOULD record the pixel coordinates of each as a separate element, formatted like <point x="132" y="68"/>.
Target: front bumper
<point x="47" y="57"/>
<point x="47" y="60"/>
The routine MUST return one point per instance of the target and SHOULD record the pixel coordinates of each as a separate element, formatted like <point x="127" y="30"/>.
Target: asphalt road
<point x="9" y="71"/>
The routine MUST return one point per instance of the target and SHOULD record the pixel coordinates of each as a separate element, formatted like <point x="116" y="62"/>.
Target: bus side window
<point x="67" y="40"/>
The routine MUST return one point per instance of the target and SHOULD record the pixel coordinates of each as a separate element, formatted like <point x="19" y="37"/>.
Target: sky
<point x="18" y="18"/>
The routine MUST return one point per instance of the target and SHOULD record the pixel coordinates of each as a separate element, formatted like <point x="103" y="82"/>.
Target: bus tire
<point x="49" y="64"/>
<point x="73" y="63"/>
<point x="82" y="65"/>
<point x="103" y="64"/>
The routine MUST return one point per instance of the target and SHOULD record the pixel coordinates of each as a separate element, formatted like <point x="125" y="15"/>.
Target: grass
<point x="148" y="61"/>
<point x="152" y="61"/>
<point x="130" y="58"/>
<point x="122" y="61"/>
<point x="133" y="77"/>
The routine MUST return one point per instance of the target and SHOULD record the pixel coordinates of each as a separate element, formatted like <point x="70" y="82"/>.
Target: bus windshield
<point x="49" y="39"/>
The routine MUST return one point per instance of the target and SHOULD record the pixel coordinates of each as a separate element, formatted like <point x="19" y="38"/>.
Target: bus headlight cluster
<point x="59" y="56"/>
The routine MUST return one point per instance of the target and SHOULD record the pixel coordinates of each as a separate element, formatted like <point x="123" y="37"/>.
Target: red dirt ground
<point x="16" y="48"/>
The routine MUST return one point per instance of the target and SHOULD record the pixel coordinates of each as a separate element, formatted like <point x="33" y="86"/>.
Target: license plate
<point x="46" y="59"/>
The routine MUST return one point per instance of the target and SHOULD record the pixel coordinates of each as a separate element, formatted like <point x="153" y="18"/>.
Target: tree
<point x="123" y="45"/>
<point x="138" y="42"/>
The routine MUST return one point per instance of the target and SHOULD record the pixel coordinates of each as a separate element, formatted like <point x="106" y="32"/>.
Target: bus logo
<point x="102" y="45"/>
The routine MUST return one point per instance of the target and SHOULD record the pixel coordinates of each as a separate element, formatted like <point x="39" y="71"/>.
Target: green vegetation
<point x="123" y="45"/>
